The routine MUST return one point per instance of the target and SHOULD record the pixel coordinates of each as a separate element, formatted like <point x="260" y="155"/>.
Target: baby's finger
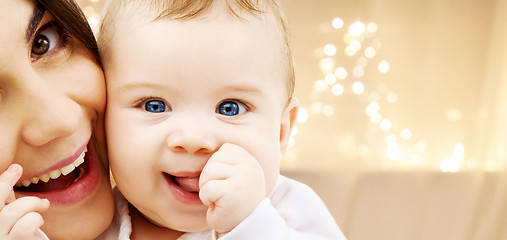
<point x="27" y="227"/>
<point x="215" y="171"/>
<point x="212" y="191"/>
<point x="7" y="181"/>
<point x="13" y="212"/>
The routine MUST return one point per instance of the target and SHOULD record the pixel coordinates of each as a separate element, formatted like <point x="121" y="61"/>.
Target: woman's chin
<point x="86" y="219"/>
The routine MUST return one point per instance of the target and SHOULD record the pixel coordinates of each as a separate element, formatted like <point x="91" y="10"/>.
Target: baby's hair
<point x="184" y="10"/>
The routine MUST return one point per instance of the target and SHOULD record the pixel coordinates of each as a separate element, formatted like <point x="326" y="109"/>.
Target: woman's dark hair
<point x="70" y="16"/>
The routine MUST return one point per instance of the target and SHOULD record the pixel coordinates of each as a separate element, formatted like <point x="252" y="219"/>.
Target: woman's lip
<point x="78" y="190"/>
<point x="180" y="194"/>
<point x="62" y="163"/>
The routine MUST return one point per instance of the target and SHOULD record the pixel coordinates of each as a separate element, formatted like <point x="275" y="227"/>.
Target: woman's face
<point x="52" y="99"/>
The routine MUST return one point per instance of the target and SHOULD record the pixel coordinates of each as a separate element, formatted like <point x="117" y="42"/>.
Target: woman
<point x="52" y="100"/>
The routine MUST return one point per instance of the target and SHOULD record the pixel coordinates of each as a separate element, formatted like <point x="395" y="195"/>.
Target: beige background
<point x="420" y="152"/>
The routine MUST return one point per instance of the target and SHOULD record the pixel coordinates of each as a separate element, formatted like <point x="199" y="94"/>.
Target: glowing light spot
<point x="370" y="52"/>
<point x="392" y="97"/>
<point x="341" y="73"/>
<point x="406" y="134"/>
<point x="319" y="85"/>
<point x="337" y="23"/>
<point x="490" y="166"/>
<point x="421" y="146"/>
<point x="358" y="87"/>
<point x="350" y="51"/>
<point x="292" y="142"/>
<point x="316" y="107"/>
<point x="459" y="152"/>
<point x="93" y="21"/>
<point x="347" y="38"/>
<point x="362" y="61"/>
<point x="372" y="27"/>
<point x="329" y="50"/>
<point x="294" y="131"/>
<point x="356" y="45"/>
<point x="327" y="65"/>
<point x="302" y="115"/>
<point x="393" y="151"/>
<point x="454" y="115"/>
<point x="385" y="125"/>
<point x="358" y="71"/>
<point x="330" y="79"/>
<point x="383" y="67"/>
<point x="328" y="110"/>
<point x="448" y="166"/>
<point x="88" y="11"/>
<point x="337" y="89"/>
<point x="372" y="109"/>
<point x="452" y="164"/>
<point x="375" y="118"/>
<point x="356" y="28"/>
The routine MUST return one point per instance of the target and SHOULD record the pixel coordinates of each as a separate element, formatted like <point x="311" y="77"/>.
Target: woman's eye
<point x="155" y="106"/>
<point x="45" y="41"/>
<point x="230" y="108"/>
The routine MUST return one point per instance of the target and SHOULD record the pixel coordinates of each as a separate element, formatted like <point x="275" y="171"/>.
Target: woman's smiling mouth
<point x="69" y="181"/>
<point x="56" y="179"/>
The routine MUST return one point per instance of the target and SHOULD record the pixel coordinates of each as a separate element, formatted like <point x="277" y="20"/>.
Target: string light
<point x="337" y="23"/>
<point x="356" y="28"/>
<point x="341" y="73"/>
<point x="329" y="50"/>
<point x="402" y="147"/>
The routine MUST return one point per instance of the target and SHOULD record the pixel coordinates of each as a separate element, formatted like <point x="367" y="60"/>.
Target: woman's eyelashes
<point x="231" y="108"/>
<point x="49" y="39"/>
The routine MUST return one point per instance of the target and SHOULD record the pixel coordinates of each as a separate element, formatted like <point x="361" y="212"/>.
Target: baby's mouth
<point x="56" y="179"/>
<point x="188" y="184"/>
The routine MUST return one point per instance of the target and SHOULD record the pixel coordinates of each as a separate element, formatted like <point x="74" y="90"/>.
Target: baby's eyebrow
<point x="131" y="86"/>
<point x="242" y="88"/>
<point x="33" y="23"/>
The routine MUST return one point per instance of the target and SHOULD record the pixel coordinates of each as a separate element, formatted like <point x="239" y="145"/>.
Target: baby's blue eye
<point x="230" y="108"/>
<point x="154" y="106"/>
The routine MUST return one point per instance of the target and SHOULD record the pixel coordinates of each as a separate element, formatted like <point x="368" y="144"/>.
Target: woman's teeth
<point x="55" y="173"/>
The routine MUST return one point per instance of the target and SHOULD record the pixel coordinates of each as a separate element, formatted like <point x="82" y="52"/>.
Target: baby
<point x="199" y="113"/>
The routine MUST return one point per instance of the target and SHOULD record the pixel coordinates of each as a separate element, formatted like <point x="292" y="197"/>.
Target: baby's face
<point x="179" y="90"/>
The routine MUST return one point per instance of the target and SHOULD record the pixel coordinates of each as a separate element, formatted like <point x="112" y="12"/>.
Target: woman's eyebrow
<point x="37" y="15"/>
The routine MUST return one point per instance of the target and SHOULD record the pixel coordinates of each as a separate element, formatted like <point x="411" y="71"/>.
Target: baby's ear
<point x="288" y="120"/>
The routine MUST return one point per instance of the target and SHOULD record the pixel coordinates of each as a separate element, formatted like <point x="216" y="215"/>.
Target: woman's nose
<point x="49" y="114"/>
<point x="195" y="137"/>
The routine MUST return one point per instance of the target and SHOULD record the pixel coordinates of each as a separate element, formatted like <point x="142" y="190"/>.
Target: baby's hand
<point x="231" y="185"/>
<point x="19" y="218"/>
